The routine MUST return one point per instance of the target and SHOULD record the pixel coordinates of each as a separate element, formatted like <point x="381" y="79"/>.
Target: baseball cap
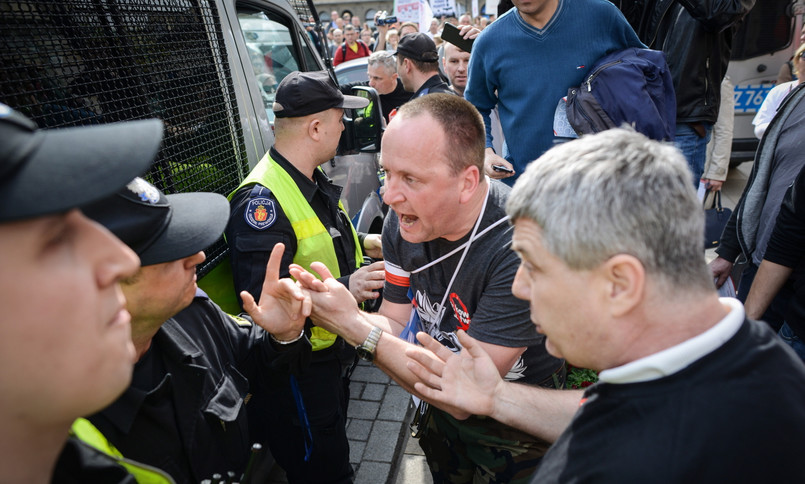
<point x="158" y="227"/>
<point x="52" y="171"/>
<point x="303" y="93"/>
<point x="418" y="46"/>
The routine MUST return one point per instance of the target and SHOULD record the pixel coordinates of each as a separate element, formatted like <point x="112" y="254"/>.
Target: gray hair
<point x="617" y="192"/>
<point x="384" y="58"/>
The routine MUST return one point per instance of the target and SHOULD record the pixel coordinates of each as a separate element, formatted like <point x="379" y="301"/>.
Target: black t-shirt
<point x="787" y="248"/>
<point x="480" y="300"/>
<point x="393" y="100"/>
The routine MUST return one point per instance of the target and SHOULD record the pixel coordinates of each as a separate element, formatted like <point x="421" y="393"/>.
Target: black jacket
<point x="776" y="160"/>
<point x="432" y="86"/>
<point x="80" y="463"/>
<point x="696" y="37"/>
<point x="186" y="411"/>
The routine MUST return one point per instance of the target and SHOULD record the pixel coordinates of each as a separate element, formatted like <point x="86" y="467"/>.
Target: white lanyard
<point x="466" y="246"/>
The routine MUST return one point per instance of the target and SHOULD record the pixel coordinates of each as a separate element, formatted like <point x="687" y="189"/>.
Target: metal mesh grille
<point x="79" y="62"/>
<point x="302" y="9"/>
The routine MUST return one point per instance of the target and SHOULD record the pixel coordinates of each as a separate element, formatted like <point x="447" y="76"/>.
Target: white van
<point x="207" y="68"/>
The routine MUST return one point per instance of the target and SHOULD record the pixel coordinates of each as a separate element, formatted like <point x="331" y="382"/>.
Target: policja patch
<point x="261" y="213"/>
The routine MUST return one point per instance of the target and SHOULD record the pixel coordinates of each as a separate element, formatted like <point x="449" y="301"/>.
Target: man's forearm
<point x="767" y="283"/>
<point x="390" y="352"/>
<point x="538" y="411"/>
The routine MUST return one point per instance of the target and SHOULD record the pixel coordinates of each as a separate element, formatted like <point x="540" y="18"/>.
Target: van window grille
<point x="765" y="29"/>
<point x="78" y="62"/>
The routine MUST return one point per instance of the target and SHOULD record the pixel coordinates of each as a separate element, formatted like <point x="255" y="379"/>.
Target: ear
<point x="314" y="128"/>
<point x="406" y="64"/>
<point x="470" y="177"/>
<point x="625" y="283"/>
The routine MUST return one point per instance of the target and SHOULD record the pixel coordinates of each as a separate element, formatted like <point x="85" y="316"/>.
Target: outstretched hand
<point x="284" y="305"/>
<point x="461" y="384"/>
<point x="334" y="307"/>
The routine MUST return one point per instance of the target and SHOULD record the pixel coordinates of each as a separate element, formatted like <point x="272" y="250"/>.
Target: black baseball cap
<point x="158" y="227"/>
<point x="418" y="46"/>
<point x="46" y="172"/>
<point x="304" y="93"/>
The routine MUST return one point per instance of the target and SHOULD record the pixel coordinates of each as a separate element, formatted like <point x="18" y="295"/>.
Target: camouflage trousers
<point x="478" y="450"/>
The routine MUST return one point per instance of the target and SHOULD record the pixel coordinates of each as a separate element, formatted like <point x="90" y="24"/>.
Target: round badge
<point x="261" y="213"/>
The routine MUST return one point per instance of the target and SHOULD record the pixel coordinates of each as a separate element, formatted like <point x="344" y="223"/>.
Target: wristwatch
<point x="366" y="350"/>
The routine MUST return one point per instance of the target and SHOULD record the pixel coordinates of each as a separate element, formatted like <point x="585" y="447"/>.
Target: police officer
<point x="65" y="339"/>
<point x="287" y="198"/>
<point x="418" y="66"/>
<point x="187" y="409"/>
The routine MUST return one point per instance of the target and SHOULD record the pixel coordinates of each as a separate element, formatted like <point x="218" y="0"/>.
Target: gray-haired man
<point x="608" y="230"/>
<point x="382" y="71"/>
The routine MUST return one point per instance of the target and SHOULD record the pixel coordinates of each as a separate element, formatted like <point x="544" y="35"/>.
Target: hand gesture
<point x="283" y="304"/>
<point x="461" y="384"/>
<point x="334" y="307"/>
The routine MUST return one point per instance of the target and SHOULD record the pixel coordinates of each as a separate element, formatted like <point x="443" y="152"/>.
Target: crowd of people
<point x="590" y="253"/>
<point x="349" y="38"/>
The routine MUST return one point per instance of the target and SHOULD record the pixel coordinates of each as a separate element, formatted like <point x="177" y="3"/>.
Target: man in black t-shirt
<point x="448" y="267"/>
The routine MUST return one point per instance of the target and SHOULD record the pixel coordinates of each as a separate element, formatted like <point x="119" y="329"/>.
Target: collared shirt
<point x="678" y="357"/>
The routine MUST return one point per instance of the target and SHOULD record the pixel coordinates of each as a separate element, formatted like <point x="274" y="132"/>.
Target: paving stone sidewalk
<point x="376" y="427"/>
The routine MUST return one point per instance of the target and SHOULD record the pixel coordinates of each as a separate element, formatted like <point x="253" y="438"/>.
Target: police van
<point x="207" y="68"/>
<point x="764" y="42"/>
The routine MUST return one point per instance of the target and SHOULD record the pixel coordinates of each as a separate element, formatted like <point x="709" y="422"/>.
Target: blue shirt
<point x="526" y="71"/>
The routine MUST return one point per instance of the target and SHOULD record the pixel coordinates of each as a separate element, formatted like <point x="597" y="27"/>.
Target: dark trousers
<point x="325" y="399"/>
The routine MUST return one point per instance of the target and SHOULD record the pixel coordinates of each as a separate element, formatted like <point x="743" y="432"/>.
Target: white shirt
<point x="676" y="358"/>
<point x="769" y="107"/>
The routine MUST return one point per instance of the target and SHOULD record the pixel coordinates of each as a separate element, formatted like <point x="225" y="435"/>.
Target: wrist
<point x="358" y="333"/>
<point x="287" y="339"/>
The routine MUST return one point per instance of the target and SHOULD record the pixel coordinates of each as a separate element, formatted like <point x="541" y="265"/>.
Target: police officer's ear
<point x="404" y="65"/>
<point x="315" y="127"/>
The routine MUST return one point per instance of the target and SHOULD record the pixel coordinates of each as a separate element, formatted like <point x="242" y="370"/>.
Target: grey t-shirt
<point x="480" y="299"/>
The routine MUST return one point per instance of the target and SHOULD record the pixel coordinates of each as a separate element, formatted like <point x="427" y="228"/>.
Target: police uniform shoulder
<point x="241" y="321"/>
<point x="260" y="208"/>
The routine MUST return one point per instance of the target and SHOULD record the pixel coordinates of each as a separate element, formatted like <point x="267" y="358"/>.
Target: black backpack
<point x="631" y="86"/>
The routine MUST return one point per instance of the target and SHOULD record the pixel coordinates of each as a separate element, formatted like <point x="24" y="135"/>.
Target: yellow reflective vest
<point x="313" y="241"/>
<point x="83" y="430"/>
